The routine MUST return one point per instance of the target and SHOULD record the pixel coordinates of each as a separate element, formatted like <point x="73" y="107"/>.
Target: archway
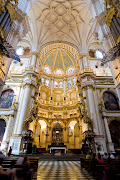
<point x="57" y="133"/>
<point x="2" y="129"/>
<point x="115" y="133"/>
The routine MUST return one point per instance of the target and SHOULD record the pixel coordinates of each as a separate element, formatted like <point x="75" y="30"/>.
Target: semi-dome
<point x="59" y="60"/>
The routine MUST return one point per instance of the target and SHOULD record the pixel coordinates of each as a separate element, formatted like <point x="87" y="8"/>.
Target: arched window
<point x="47" y="82"/>
<point x="43" y="81"/>
<point x="70" y="70"/>
<point x="99" y="54"/>
<point x="47" y="70"/>
<point x="58" y="72"/>
<point x="60" y="84"/>
<point x="110" y="101"/>
<point x="69" y="83"/>
<point x="6" y="99"/>
<point x="74" y="81"/>
<point x="2" y="129"/>
<point x="55" y="84"/>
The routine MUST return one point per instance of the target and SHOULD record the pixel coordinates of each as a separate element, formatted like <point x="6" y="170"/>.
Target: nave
<point x="59" y="170"/>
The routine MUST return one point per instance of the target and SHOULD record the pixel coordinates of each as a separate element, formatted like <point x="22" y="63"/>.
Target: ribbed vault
<point x="67" y="21"/>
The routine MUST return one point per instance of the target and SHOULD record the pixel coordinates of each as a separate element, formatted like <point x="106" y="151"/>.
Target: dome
<point x="59" y="60"/>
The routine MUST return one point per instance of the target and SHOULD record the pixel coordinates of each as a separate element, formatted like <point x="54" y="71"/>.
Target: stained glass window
<point x="43" y="81"/>
<point x="59" y="73"/>
<point x="47" y="82"/>
<point x="74" y="81"/>
<point x="69" y="83"/>
<point x="55" y="84"/>
<point x="70" y="70"/>
<point x="47" y="70"/>
<point x="6" y="99"/>
<point x="61" y="84"/>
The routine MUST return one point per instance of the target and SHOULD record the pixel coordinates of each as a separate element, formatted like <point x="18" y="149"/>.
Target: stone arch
<point x="5" y="118"/>
<point x="109" y="90"/>
<point x="55" y="121"/>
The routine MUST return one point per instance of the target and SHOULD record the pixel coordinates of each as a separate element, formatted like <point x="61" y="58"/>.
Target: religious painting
<point x="115" y="133"/>
<point x="110" y="101"/>
<point x="2" y="129"/>
<point x="6" y="99"/>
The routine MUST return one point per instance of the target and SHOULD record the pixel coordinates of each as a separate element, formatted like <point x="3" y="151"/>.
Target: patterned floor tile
<point x="61" y="170"/>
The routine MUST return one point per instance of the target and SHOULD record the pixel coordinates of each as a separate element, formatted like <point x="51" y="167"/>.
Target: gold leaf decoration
<point x="11" y="11"/>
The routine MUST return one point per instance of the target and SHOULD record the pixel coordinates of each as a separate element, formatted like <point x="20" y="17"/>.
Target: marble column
<point x="51" y="87"/>
<point x="33" y="59"/>
<point x="24" y="107"/>
<point x="92" y="109"/>
<point x="65" y="86"/>
<point x="6" y="134"/>
<point x="85" y="61"/>
<point x="110" y="145"/>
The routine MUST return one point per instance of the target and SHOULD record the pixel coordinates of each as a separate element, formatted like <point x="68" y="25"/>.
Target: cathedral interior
<point x="59" y="75"/>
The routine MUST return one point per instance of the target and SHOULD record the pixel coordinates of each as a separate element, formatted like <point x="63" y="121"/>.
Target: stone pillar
<point x="51" y="86"/>
<point x="24" y="107"/>
<point x="85" y="61"/>
<point x="92" y="109"/>
<point x="65" y="86"/>
<point x="6" y="134"/>
<point x="110" y="145"/>
<point x="34" y="59"/>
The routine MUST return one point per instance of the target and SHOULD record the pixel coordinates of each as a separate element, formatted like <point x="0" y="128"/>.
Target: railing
<point x="2" y="75"/>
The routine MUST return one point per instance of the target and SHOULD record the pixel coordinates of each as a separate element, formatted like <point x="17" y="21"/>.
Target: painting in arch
<point x="6" y="99"/>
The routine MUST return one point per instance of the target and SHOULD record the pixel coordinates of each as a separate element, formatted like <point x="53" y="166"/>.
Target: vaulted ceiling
<point x="68" y="21"/>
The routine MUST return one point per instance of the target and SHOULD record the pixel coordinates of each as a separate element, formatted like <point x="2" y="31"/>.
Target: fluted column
<point x="24" y="107"/>
<point x="109" y="140"/>
<point x="6" y="134"/>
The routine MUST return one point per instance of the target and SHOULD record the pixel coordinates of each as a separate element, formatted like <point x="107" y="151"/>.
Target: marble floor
<point x="60" y="170"/>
